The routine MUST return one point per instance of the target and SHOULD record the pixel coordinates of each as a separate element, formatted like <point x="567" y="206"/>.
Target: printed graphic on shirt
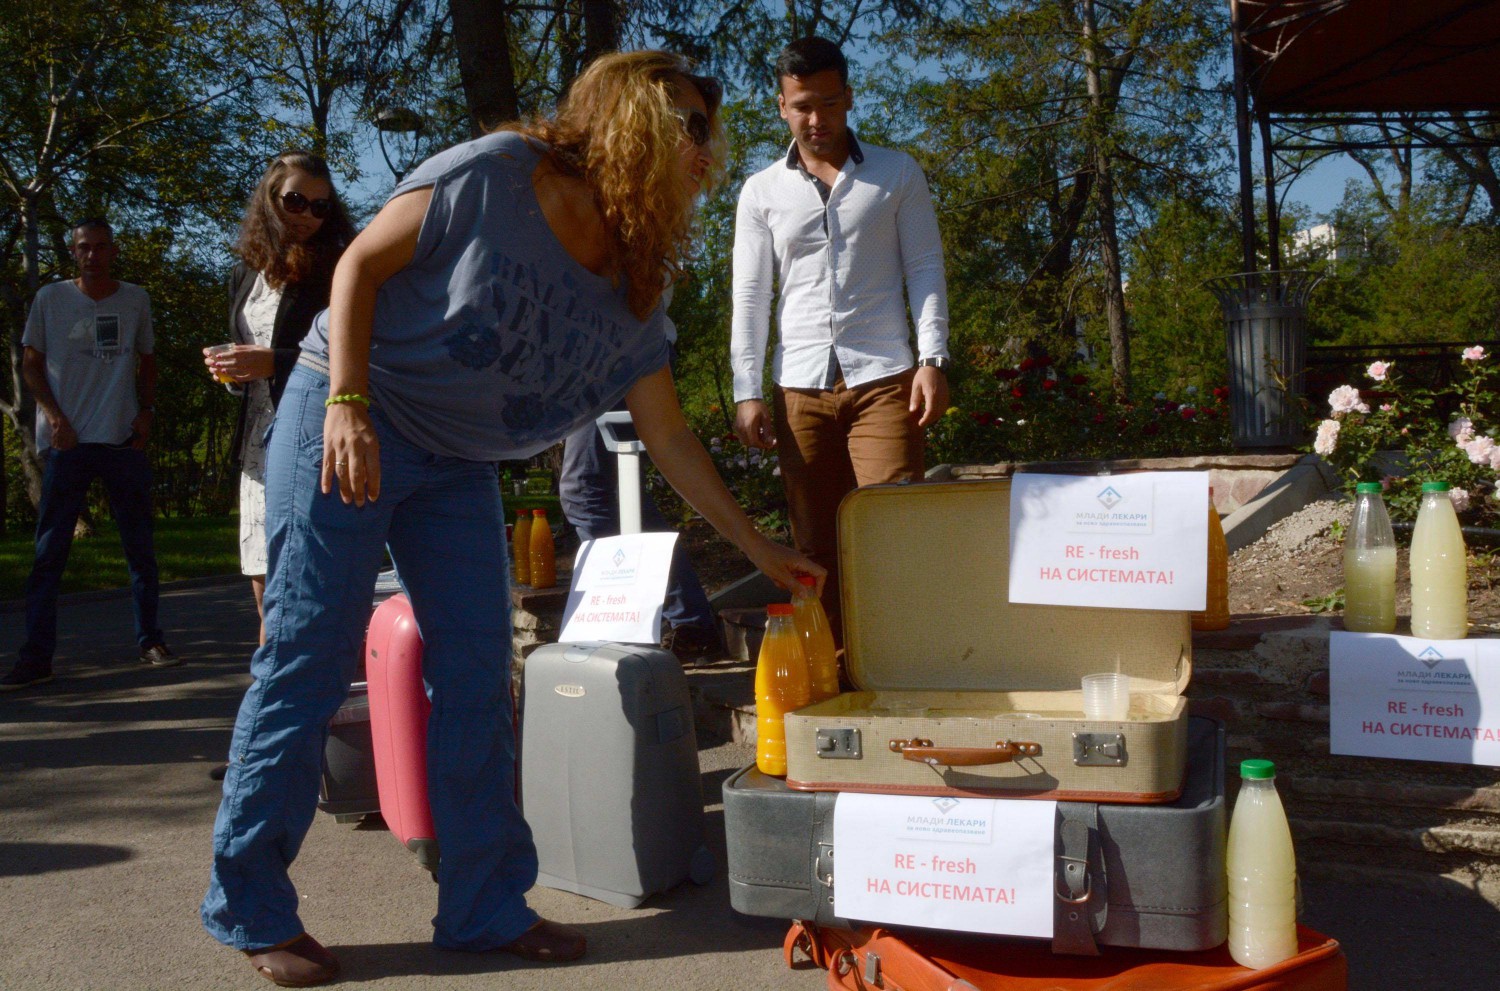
<point x="106" y="336"/>
<point x="550" y="350"/>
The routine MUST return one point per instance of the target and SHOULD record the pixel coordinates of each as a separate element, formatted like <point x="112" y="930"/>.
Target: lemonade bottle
<point x="520" y="547"/>
<point x="1369" y="565"/>
<point x="1215" y="614"/>
<point x="781" y="685"/>
<point x="817" y="641"/>
<point x="543" y="562"/>
<point x="1262" y="872"/>
<point x="1439" y="572"/>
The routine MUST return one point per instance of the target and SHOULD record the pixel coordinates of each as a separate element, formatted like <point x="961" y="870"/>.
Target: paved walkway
<point x="106" y="809"/>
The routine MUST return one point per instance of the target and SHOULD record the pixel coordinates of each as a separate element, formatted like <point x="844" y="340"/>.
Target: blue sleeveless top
<point x="494" y="343"/>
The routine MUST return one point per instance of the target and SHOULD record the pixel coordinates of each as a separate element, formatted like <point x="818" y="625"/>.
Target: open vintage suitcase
<point x="964" y="693"/>
<point x="1128" y="875"/>
<point x="892" y="960"/>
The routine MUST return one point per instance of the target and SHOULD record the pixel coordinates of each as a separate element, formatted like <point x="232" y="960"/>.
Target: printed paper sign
<point x="1136" y="541"/>
<point x="1414" y="699"/>
<point x="967" y="864"/>
<point x="619" y="584"/>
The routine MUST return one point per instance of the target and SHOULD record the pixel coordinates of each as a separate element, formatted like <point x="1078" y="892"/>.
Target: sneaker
<point x="160" y="656"/>
<point x="25" y="674"/>
<point x="693" y="644"/>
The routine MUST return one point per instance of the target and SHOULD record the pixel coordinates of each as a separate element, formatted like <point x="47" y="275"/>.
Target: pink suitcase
<point x="398" y="726"/>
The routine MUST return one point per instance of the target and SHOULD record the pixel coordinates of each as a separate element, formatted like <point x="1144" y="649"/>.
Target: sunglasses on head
<point x="295" y="202"/>
<point x="695" y="123"/>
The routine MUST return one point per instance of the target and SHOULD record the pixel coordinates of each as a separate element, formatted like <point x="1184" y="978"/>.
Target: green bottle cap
<point x="1434" y="486"/>
<point x="1366" y="488"/>
<point x="1257" y="769"/>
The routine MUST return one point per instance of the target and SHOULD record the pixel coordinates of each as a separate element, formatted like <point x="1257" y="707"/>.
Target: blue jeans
<point x="589" y="488"/>
<point x="126" y="473"/>
<point x="444" y="525"/>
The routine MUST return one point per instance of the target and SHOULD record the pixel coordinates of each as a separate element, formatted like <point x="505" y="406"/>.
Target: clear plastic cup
<point x="221" y="349"/>
<point x="1106" y="696"/>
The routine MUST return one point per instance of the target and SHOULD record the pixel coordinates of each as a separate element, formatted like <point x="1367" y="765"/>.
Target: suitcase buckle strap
<point x="923" y="751"/>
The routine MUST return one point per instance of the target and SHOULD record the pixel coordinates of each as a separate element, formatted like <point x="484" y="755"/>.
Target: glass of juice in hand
<point x="218" y="349"/>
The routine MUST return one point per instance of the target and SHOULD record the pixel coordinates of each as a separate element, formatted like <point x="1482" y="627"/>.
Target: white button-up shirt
<point x="841" y="267"/>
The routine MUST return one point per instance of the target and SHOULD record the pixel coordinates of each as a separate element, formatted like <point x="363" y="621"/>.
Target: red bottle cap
<point x="539" y="512"/>
<point x="779" y="609"/>
<point x="808" y="580"/>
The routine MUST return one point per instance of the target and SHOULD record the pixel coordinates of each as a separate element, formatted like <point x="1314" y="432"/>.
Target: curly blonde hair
<point x="619" y="130"/>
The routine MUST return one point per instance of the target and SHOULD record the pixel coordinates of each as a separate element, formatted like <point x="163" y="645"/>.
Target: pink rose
<point x="1475" y="353"/>
<point x="1345" y="399"/>
<point x="1461" y="430"/>
<point x="1459" y="498"/>
<point x="1328" y="437"/>
<point x="1479" y="449"/>
<point x="1379" y="370"/>
<point x="1386" y="407"/>
<point x="1495" y="459"/>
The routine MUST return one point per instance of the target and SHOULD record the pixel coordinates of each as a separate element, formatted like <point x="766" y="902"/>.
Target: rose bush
<point x="1045" y="410"/>
<point x="1404" y="442"/>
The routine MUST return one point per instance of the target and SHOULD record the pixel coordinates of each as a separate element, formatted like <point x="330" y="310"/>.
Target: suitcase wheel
<point x="702" y="868"/>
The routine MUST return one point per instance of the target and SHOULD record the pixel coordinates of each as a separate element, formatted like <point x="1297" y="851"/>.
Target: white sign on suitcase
<point x="619" y="584"/>
<point x="966" y="864"/>
<point x="1137" y="541"/>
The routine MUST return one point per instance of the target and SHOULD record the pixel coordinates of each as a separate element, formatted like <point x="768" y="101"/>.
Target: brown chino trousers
<point x="829" y="441"/>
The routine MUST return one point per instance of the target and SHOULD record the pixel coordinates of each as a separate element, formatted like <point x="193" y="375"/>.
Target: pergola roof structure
<point x="1426" y="70"/>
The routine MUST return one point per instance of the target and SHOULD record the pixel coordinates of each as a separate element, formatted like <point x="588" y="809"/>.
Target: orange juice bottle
<point x="1215" y="615"/>
<point x="817" y="640"/>
<point x="781" y="686"/>
<point x="543" y="564"/>
<point x="520" y="547"/>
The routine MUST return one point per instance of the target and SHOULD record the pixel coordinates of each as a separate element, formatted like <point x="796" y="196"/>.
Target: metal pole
<point x="1242" y="129"/>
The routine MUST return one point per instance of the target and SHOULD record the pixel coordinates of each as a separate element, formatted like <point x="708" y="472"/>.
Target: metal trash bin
<point x="1265" y="316"/>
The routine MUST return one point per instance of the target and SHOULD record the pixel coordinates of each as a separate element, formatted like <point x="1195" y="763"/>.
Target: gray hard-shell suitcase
<point x="1154" y="879"/>
<point x="609" y="771"/>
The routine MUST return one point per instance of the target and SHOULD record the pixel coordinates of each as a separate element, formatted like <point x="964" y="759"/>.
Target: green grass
<point x="185" y="548"/>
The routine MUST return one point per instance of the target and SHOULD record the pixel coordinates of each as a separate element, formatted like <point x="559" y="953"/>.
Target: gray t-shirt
<point x="91" y="347"/>
<point x="494" y="343"/>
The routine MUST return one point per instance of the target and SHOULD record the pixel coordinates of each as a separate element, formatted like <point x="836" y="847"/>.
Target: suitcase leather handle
<point x="926" y="752"/>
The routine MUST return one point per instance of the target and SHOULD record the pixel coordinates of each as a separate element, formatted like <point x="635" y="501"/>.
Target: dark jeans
<point x="65" y="484"/>
<point x="590" y="492"/>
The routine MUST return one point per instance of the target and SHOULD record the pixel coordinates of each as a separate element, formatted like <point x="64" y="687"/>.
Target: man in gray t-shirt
<point x="88" y="362"/>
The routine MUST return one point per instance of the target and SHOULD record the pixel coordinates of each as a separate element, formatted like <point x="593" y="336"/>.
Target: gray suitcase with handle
<point x="610" y="783"/>
<point x="1154" y="877"/>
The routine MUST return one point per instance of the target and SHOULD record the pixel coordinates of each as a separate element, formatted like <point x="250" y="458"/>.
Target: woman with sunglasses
<point x="507" y="293"/>
<point x="293" y="232"/>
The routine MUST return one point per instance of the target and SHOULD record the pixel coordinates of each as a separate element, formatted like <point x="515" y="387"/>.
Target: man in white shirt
<point x="89" y="361"/>
<point x="842" y="227"/>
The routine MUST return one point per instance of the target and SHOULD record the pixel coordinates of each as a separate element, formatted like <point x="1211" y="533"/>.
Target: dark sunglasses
<point x="295" y="202"/>
<point x="696" y="125"/>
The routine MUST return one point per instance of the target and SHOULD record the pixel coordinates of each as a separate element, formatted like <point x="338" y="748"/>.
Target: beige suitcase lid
<point x="925" y="578"/>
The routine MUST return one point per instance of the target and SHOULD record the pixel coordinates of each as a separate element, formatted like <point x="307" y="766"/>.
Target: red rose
<point x="1027" y="364"/>
<point x="1080" y="379"/>
<point x="1018" y="392"/>
<point x="1188" y="412"/>
<point x="1049" y="385"/>
<point x="1221" y="392"/>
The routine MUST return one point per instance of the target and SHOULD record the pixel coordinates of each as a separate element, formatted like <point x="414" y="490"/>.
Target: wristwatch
<point x="941" y="364"/>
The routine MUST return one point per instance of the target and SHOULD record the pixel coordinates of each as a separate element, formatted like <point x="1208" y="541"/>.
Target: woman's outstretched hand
<point x="783" y="564"/>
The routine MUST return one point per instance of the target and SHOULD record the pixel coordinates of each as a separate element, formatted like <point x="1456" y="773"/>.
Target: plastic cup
<point x="1106" y="696"/>
<point x="221" y="349"/>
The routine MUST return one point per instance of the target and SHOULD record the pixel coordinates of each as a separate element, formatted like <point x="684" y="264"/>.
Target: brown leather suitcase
<point x="866" y="959"/>
<point x="962" y="692"/>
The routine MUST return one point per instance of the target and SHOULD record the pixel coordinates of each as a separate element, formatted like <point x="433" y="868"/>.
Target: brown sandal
<point x="549" y="942"/>
<point x="297" y="963"/>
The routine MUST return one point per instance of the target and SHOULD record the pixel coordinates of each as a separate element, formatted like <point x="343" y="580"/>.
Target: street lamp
<point x="398" y="120"/>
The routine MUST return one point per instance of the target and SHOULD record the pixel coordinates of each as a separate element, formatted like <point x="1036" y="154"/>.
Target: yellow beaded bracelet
<point x="348" y="397"/>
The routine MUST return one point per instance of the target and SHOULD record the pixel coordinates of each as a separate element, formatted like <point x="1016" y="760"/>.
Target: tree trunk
<point x="481" y="33"/>
<point x="601" y="28"/>
<point x="1109" y="237"/>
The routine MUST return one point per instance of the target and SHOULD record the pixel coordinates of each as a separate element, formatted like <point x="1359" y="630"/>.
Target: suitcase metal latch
<point x="1099" y="749"/>
<point x="838" y="744"/>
